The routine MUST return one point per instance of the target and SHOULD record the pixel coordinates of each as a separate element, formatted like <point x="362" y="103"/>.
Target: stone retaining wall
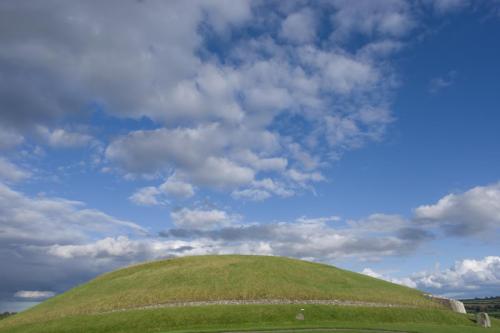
<point x="450" y="303"/>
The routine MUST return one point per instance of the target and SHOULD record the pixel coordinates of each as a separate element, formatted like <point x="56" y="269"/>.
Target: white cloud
<point x="251" y="194"/>
<point x="476" y="211"/>
<point x="464" y="275"/>
<point x="150" y="151"/>
<point x="325" y="219"/>
<point x="10" y="172"/>
<point x="227" y="118"/>
<point x="177" y="188"/>
<point x="247" y="157"/>
<point x="219" y="123"/>
<point x="196" y="153"/>
<point x="340" y="72"/>
<point x="159" y="195"/>
<point x="126" y="60"/>
<point x="381" y="48"/>
<point x="34" y="294"/>
<point x="211" y="231"/>
<point x="107" y="247"/>
<point x="391" y="17"/>
<point x="263" y="189"/>
<point x="307" y="238"/>
<point x="62" y="138"/>
<point x="299" y="27"/>
<point x="123" y="249"/>
<point x="221" y="172"/>
<point x="146" y="196"/>
<point x="404" y="281"/>
<point x="466" y="278"/>
<point x="304" y="177"/>
<point x="201" y="219"/>
<point x="372" y="273"/>
<point x="444" y="6"/>
<point x="44" y="220"/>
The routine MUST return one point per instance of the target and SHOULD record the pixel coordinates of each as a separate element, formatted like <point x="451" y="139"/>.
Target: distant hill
<point x="6" y="314"/>
<point x="491" y="305"/>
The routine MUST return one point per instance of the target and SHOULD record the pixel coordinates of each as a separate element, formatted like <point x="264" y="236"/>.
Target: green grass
<point x="83" y="309"/>
<point x="252" y="317"/>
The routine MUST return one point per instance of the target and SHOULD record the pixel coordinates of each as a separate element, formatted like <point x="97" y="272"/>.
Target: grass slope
<point x="255" y="317"/>
<point x="200" y="278"/>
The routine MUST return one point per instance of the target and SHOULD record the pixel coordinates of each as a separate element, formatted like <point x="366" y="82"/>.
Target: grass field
<point x="205" y="278"/>
<point x="252" y="317"/>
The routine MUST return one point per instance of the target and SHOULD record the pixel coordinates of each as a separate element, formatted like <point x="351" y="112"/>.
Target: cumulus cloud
<point x="44" y="220"/>
<point x="177" y="188"/>
<point x="218" y="123"/>
<point x="403" y="281"/>
<point x="222" y="113"/>
<point x="393" y="18"/>
<point x="252" y="194"/>
<point x="201" y="219"/>
<point x="299" y="27"/>
<point x="212" y="231"/>
<point x="308" y="238"/>
<point x="173" y="187"/>
<point x="481" y="276"/>
<point x="304" y="177"/>
<point x="11" y="172"/>
<point x="147" y="196"/>
<point x="34" y="294"/>
<point x="86" y="52"/>
<point x="466" y="278"/>
<point x="61" y="138"/>
<point x="473" y="212"/>
<point x="263" y="189"/>
<point x="107" y="247"/>
<point x="195" y="153"/>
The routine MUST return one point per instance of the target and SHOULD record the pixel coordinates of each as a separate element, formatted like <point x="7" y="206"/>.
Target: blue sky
<point x="364" y="134"/>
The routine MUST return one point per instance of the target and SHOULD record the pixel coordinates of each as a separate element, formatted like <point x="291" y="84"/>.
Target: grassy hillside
<point x="254" y="317"/>
<point x="207" y="278"/>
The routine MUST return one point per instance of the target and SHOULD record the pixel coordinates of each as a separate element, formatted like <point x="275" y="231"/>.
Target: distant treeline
<point x="491" y="305"/>
<point x="6" y="314"/>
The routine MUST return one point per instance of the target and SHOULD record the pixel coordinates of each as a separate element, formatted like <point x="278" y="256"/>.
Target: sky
<point x="363" y="134"/>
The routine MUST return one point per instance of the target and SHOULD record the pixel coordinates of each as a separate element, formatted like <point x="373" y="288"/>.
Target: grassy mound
<point x="88" y="308"/>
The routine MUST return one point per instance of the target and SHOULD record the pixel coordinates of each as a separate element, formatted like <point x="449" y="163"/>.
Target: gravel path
<point x="320" y="330"/>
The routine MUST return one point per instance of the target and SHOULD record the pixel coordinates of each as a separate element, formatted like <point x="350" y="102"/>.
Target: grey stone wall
<point x="450" y="303"/>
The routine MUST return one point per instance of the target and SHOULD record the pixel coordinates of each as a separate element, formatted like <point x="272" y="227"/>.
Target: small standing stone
<point x="300" y="315"/>
<point x="483" y="319"/>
